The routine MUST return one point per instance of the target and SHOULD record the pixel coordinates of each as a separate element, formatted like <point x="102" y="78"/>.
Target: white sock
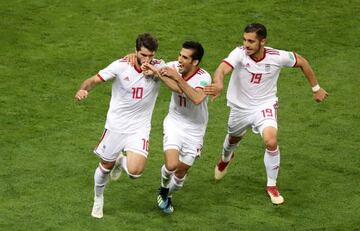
<point x="272" y="165"/>
<point x="228" y="149"/>
<point x="165" y="176"/>
<point x="123" y="164"/>
<point x="176" y="183"/>
<point x="101" y="177"/>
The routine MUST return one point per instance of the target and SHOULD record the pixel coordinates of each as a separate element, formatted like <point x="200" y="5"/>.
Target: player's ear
<point x="195" y="62"/>
<point x="263" y="41"/>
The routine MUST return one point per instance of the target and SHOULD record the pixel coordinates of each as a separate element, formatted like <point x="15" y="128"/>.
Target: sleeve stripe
<point x="296" y="59"/>
<point x="102" y="79"/>
<point x="224" y="61"/>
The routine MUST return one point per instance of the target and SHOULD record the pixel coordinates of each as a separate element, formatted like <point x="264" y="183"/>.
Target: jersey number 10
<point x="137" y="92"/>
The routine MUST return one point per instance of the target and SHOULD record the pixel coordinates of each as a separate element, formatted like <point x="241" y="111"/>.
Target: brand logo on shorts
<point x="127" y="78"/>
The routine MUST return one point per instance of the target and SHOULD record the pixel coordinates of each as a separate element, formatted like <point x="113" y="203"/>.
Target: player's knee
<point x="234" y="139"/>
<point x="107" y="165"/>
<point x="171" y="166"/>
<point x="180" y="173"/>
<point x="271" y="143"/>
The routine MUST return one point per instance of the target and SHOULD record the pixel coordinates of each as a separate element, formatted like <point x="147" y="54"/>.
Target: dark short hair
<point x="258" y="28"/>
<point x="146" y="40"/>
<point x="198" y="50"/>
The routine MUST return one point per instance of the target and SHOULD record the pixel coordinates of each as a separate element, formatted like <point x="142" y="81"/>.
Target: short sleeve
<point x="235" y="57"/>
<point x="111" y="71"/>
<point x="204" y="79"/>
<point x="287" y="58"/>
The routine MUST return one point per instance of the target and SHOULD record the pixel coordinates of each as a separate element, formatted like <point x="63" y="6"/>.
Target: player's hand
<point x="81" y="94"/>
<point x="170" y="73"/>
<point x="320" y="95"/>
<point x="148" y="69"/>
<point x="131" y="59"/>
<point x="214" y="90"/>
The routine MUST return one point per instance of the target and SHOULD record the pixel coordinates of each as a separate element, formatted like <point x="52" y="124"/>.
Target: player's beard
<point x="138" y="61"/>
<point x="255" y="52"/>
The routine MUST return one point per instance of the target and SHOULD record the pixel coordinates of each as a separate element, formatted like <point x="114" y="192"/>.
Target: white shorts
<point x="189" y="147"/>
<point x="112" y="143"/>
<point x="258" y="119"/>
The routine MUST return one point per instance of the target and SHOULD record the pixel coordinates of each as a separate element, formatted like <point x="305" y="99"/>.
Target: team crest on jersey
<point x="291" y="56"/>
<point x="203" y="83"/>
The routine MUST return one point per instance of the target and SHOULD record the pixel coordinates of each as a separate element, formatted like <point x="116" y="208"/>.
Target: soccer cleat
<point x="162" y="198"/>
<point x="221" y="168"/>
<point x="97" y="210"/>
<point x="274" y="195"/>
<point x="169" y="207"/>
<point x="116" y="170"/>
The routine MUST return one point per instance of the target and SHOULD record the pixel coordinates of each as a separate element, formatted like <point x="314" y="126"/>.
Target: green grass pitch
<point x="46" y="175"/>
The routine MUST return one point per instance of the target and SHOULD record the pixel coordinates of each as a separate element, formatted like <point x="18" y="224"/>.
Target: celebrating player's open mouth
<point x="181" y="68"/>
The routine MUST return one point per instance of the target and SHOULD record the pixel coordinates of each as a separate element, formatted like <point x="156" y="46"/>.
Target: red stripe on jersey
<point x="188" y="78"/>
<point x="201" y="71"/>
<point x="228" y="64"/>
<point x="296" y="59"/>
<point x="258" y="60"/>
<point x="124" y="59"/>
<point x="102" y="79"/>
<point x="272" y="52"/>
<point x="137" y="70"/>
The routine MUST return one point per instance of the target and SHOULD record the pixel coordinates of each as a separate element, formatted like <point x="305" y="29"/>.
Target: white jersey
<point x="253" y="83"/>
<point x="133" y="96"/>
<point x="189" y="116"/>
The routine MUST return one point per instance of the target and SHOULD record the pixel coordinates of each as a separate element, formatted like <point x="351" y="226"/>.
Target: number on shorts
<point x="145" y="144"/>
<point x="267" y="112"/>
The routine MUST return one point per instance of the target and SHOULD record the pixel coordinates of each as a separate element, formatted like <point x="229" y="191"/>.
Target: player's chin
<point x="249" y="52"/>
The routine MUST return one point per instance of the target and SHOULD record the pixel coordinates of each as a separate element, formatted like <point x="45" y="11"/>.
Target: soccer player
<point x="252" y="99"/>
<point x="185" y="124"/>
<point x="128" y="121"/>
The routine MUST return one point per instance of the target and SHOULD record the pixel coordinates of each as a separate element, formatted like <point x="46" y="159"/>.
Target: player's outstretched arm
<point x="319" y="93"/>
<point x="215" y="88"/>
<point x="86" y="86"/>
